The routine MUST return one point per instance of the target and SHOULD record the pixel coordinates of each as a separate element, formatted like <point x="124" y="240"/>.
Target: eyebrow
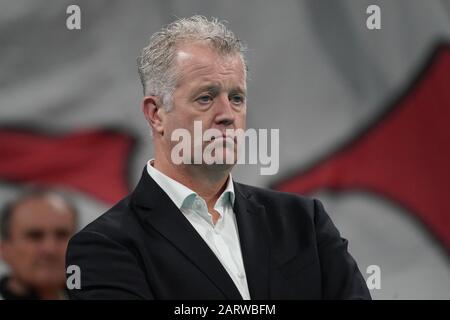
<point x="215" y="89"/>
<point x="238" y="90"/>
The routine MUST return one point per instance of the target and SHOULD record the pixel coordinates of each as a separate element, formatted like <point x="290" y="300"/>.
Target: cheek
<point x="21" y="256"/>
<point x="25" y="248"/>
<point x="62" y="246"/>
<point x="176" y="121"/>
<point x="241" y="120"/>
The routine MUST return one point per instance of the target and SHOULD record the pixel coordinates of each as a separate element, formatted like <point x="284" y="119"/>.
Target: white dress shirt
<point x="223" y="237"/>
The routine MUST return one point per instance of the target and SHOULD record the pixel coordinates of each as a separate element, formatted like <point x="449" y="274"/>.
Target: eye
<point x="205" y="99"/>
<point x="35" y="235"/>
<point x="237" y="99"/>
<point x="62" y="234"/>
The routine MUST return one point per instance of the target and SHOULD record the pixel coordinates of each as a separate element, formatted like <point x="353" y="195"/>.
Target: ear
<point x="154" y="113"/>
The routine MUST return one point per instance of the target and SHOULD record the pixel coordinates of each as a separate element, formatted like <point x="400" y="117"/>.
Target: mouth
<point x="223" y="137"/>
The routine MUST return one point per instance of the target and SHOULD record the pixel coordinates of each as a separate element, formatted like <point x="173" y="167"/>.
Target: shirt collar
<point x="227" y="196"/>
<point x="182" y="195"/>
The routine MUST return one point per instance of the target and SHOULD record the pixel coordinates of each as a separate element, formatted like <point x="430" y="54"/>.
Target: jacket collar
<point x="154" y="207"/>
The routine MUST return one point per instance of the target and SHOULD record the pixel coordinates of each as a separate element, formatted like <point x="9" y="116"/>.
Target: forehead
<point x="199" y="63"/>
<point x="41" y="212"/>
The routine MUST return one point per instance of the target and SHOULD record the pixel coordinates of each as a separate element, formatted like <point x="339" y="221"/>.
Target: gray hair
<point x="157" y="73"/>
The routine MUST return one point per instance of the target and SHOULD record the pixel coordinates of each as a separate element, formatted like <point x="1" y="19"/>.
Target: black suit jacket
<point x="144" y="248"/>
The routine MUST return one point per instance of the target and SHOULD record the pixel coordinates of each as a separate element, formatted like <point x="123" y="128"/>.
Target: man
<point x="35" y="230"/>
<point x="188" y="231"/>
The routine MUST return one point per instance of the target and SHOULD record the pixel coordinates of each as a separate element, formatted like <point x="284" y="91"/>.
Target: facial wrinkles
<point x="199" y="71"/>
<point x="196" y="71"/>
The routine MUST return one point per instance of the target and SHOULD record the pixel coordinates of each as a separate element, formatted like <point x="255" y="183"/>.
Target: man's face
<point x="40" y="229"/>
<point x="212" y="89"/>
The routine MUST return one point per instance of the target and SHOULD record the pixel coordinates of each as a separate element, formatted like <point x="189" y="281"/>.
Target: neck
<point x="208" y="181"/>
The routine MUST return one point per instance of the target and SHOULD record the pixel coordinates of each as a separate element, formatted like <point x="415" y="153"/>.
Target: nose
<point x="49" y="245"/>
<point x="225" y="115"/>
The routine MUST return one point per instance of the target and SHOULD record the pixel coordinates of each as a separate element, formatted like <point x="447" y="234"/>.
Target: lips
<point x="220" y="137"/>
<point x="224" y="137"/>
<point x="225" y="141"/>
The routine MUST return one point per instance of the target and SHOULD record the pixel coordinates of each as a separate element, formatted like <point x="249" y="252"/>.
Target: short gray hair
<point x="157" y="73"/>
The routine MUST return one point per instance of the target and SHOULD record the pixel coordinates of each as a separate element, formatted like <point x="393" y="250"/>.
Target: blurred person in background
<point x="35" y="229"/>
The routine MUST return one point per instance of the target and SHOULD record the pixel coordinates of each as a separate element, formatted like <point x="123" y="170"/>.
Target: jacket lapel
<point x="154" y="206"/>
<point x="253" y="234"/>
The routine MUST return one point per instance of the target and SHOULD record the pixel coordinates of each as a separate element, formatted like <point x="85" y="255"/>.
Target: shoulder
<point x="272" y="198"/>
<point x="284" y="212"/>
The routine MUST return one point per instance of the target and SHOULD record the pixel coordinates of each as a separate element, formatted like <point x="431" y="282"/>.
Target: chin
<point x="228" y="153"/>
<point x="220" y="166"/>
<point x="49" y="282"/>
<point x="50" y="278"/>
